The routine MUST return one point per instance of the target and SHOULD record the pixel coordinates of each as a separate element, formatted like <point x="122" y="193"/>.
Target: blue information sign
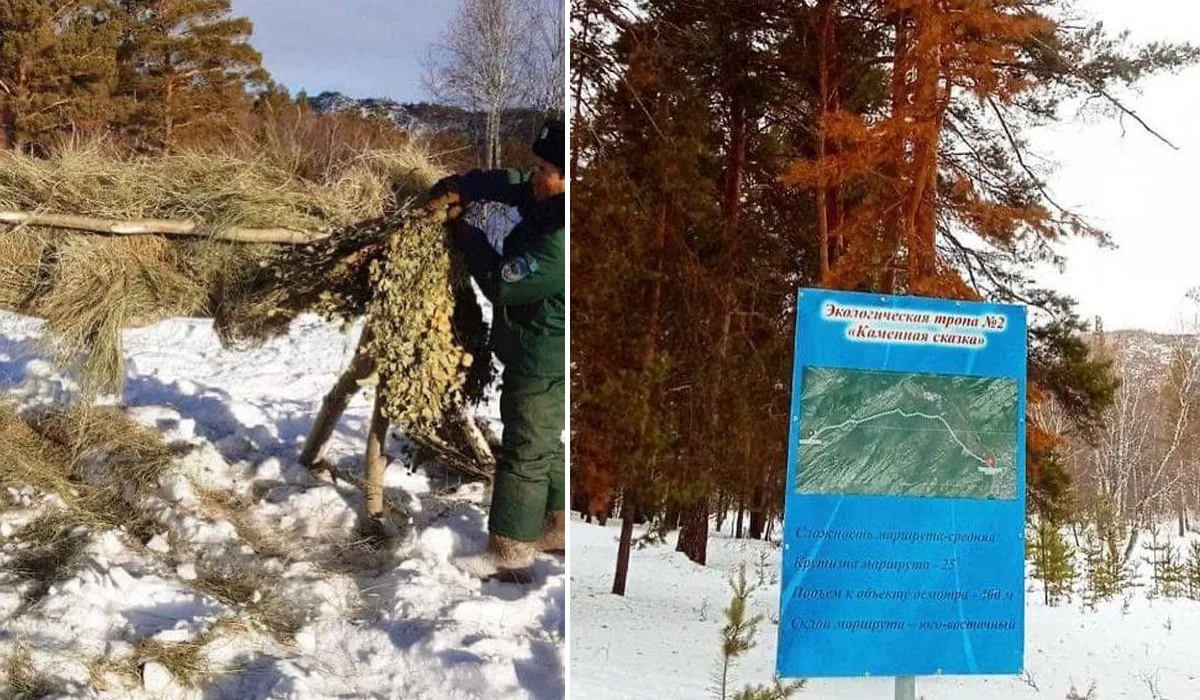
<point x="904" y="519"/>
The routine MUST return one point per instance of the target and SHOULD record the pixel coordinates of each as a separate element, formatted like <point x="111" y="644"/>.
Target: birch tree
<point x="1138" y="464"/>
<point x="544" y="67"/>
<point x="476" y="63"/>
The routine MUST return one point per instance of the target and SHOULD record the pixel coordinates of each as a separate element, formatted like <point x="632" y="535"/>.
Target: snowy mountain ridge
<point x="422" y="117"/>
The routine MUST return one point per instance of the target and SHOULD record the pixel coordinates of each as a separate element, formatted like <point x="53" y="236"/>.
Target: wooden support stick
<point x="335" y="402"/>
<point x="482" y="451"/>
<point x="163" y="227"/>
<point x="376" y="463"/>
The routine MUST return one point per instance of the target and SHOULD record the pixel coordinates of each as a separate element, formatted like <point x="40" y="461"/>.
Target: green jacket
<point x="527" y="284"/>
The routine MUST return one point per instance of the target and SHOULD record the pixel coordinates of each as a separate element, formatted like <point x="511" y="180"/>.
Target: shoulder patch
<point x="518" y="268"/>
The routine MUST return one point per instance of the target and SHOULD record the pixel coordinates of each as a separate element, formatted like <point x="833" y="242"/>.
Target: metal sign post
<point x="906" y="688"/>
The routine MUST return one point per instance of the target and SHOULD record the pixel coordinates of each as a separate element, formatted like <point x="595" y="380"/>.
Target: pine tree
<point x="1192" y="571"/>
<point x="1053" y="563"/>
<point x="1168" y="572"/>
<point x="947" y="155"/>
<point x="737" y="638"/>
<point x="723" y="159"/>
<point x="184" y="69"/>
<point x="1095" y="584"/>
<point x="57" y="68"/>
<point x="1105" y="575"/>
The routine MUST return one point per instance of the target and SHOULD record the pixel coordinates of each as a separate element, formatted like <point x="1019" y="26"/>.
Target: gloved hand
<point x="444" y="198"/>
<point x="444" y="187"/>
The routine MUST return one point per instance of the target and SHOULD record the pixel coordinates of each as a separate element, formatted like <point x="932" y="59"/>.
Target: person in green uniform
<point x="526" y="284"/>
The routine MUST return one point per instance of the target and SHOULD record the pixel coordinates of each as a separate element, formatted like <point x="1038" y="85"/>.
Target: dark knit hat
<point x="551" y="144"/>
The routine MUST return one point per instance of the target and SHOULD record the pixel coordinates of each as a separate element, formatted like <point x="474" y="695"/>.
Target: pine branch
<point x="1012" y="140"/>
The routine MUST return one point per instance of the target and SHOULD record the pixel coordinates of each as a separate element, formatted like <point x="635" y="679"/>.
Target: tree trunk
<point x="823" y="42"/>
<point x="628" y="513"/>
<point x="8" y="118"/>
<point x="168" y="95"/>
<point x="722" y="507"/>
<point x="758" y="523"/>
<point x="577" y="120"/>
<point x="1130" y="545"/>
<point x="493" y="137"/>
<point x="671" y="517"/>
<point x="1182" y="505"/>
<point x="579" y="501"/>
<point x="693" y="532"/>
<point x="900" y="65"/>
<point x="758" y="513"/>
<point x="19" y="95"/>
<point x="924" y="162"/>
<point x="732" y="204"/>
<point x="740" y="512"/>
<point x="646" y="361"/>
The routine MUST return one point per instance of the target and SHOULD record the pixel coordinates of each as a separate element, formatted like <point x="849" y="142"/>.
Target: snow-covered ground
<point x="661" y="639"/>
<point x="405" y="624"/>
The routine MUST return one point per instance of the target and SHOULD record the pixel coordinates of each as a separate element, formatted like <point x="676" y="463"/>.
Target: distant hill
<point x="425" y="118"/>
<point x="1143" y="353"/>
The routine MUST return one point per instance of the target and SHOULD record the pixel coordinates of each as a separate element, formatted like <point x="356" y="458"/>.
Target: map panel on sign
<point x="907" y="434"/>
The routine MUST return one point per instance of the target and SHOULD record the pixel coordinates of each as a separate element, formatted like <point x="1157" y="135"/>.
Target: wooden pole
<point x="376" y="435"/>
<point x="334" y="403"/>
<point x="162" y="227"/>
<point x="464" y="417"/>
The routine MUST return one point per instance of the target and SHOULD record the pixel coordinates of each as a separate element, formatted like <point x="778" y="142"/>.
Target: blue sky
<point x="363" y="48"/>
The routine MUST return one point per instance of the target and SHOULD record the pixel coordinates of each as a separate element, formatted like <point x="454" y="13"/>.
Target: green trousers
<point x="530" y="467"/>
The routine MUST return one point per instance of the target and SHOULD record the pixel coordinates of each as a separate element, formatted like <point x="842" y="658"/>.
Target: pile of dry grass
<point x="105" y="446"/>
<point x="50" y="551"/>
<point x="188" y="661"/>
<point x="101" y="466"/>
<point x="90" y="287"/>
<point x="96" y="462"/>
<point x="22" y="678"/>
<point x="285" y="545"/>
<point x="253" y="590"/>
<point x="28" y="459"/>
